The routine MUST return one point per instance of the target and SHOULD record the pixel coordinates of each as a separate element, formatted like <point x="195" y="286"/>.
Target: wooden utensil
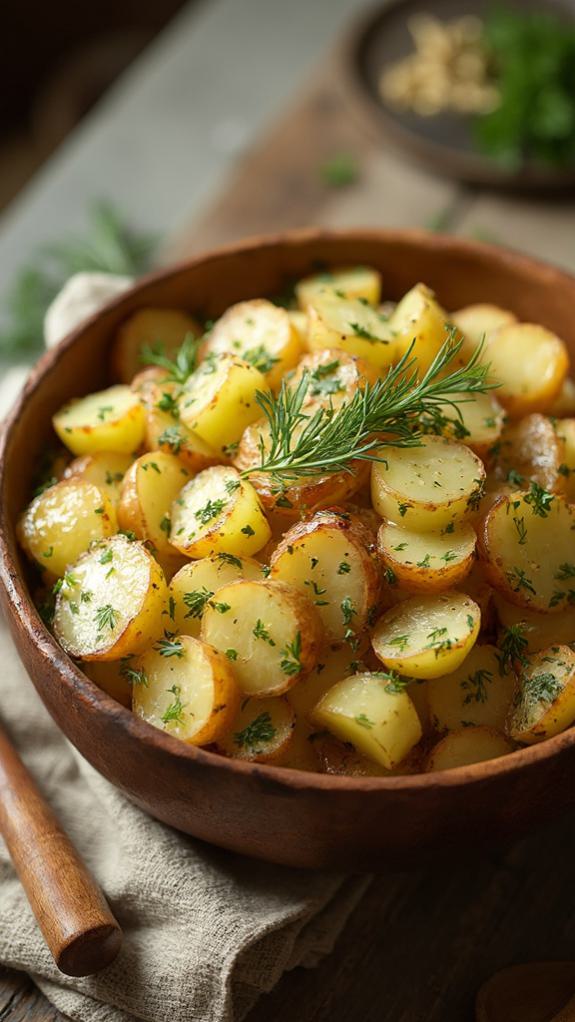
<point x="76" y="922"/>
<point x="536" y="992"/>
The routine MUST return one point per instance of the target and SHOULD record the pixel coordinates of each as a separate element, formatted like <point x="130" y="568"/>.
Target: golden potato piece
<point x="427" y="488"/>
<point x="427" y="636"/>
<point x="270" y="632"/>
<point x="530" y="363"/>
<point x="531" y="450"/>
<point x="565" y="431"/>
<point x="261" y="732"/>
<point x="479" y="426"/>
<point x="261" y="334"/>
<point x="309" y="493"/>
<point x="426" y="561"/>
<point x="196" y="582"/>
<point x="419" y="321"/>
<point x="112" y="676"/>
<point x="188" y="690"/>
<point x="163" y="429"/>
<point x="479" y="692"/>
<point x="350" y="325"/>
<point x="467" y="746"/>
<point x="526" y="545"/>
<point x="111" y="420"/>
<point x="106" y="469"/>
<point x="538" y="631"/>
<point x="333" y="378"/>
<point x="328" y="558"/>
<point x="355" y="282"/>
<point x="367" y="710"/>
<point x="62" y="522"/>
<point x="544" y="703"/>
<point x="564" y="404"/>
<point x="338" y="661"/>
<point x="162" y="330"/>
<point x="218" y="512"/>
<point x="149" y="489"/>
<point x="219" y="400"/>
<point x="478" y="323"/>
<point x="110" y="603"/>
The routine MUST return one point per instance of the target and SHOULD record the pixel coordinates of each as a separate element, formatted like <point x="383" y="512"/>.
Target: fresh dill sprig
<point x="179" y="368"/>
<point x="386" y="413"/>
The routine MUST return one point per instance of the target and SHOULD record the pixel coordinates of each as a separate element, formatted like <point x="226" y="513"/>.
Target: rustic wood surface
<point x="421" y="943"/>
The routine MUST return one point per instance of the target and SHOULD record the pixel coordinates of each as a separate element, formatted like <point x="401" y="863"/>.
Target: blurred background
<point x="140" y="132"/>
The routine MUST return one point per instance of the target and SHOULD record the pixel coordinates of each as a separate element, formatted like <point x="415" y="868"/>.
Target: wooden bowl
<point x="277" y="814"/>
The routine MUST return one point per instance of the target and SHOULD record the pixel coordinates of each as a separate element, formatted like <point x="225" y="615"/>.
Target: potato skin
<point x="533" y="448"/>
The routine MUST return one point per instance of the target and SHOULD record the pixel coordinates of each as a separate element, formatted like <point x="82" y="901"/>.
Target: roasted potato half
<point x="544" y="703"/>
<point x="110" y="603"/>
<point x="355" y="282"/>
<point x="478" y="323"/>
<point x="193" y="586"/>
<point x="165" y="432"/>
<point x="113" y="677"/>
<point x="479" y="424"/>
<point x="262" y="334"/>
<point x="531" y="450"/>
<point x="162" y="330"/>
<point x="427" y="636"/>
<point x="367" y="711"/>
<point x="62" y="522"/>
<point x="219" y="400"/>
<point x="111" y="420"/>
<point x="466" y="746"/>
<point x="526" y="545"/>
<point x="218" y="512"/>
<point x="419" y="322"/>
<point x="533" y="630"/>
<point x="106" y="469"/>
<point x="353" y="326"/>
<point x="427" y="488"/>
<point x="426" y="561"/>
<point x="270" y="633"/>
<point x="479" y="692"/>
<point x="530" y="363"/>
<point x="149" y="489"/>
<point x="338" y="661"/>
<point x="328" y="558"/>
<point x="333" y="378"/>
<point x="187" y="689"/>
<point x="261" y="732"/>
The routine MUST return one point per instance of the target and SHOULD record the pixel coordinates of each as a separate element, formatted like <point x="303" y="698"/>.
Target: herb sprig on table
<point x="533" y="57"/>
<point x="386" y="413"/>
<point x="109" y="247"/>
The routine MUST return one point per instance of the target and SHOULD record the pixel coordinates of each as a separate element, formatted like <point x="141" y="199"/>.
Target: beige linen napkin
<point x="206" y="931"/>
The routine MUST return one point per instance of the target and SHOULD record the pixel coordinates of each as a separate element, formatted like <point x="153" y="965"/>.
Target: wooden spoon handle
<point x="71" y="911"/>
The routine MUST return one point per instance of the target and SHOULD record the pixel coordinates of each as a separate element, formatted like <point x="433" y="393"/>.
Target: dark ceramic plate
<point x="445" y="143"/>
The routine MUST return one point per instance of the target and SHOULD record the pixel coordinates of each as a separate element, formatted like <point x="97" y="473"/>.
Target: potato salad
<point x="324" y="531"/>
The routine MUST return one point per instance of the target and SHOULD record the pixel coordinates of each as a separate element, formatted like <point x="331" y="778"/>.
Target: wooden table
<point x="421" y="943"/>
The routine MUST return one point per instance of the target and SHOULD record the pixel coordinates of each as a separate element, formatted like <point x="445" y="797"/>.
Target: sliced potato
<point x="261" y="334"/>
<point x="478" y="692"/>
<point x="333" y="378"/>
<point x="380" y="722"/>
<point x="110" y="602"/>
<point x="149" y="489"/>
<point x="106" y="469"/>
<point x="62" y="522"/>
<point x="527" y="547"/>
<point x="479" y="323"/>
<point x="309" y="493"/>
<point x="165" y="432"/>
<point x="420" y="321"/>
<point x="427" y="488"/>
<point x="531" y="450"/>
<point x="537" y="630"/>
<point x="356" y="282"/>
<point x="350" y="325"/>
<point x="338" y="661"/>
<point x="111" y="420"/>
<point x="218" y="401"/>
<point x="270" y="632"/>
<point x="218" y="512"/>
<point x="564" y="403"/>
<point x="160" y="329"/>
<point x="427" y="636"/>
<point x="479" y="425"/>
<point x="188" y="690"/>
<point x="261" y="732"/>
<point x="544" y="704"/>
<point x="466" y="746"/>
<point x="328" y="558"/>
<point x="565" y="430"/>
<point x="196" y="582"/>
<point x="530" y="363"/>
<point x="112" y="676"/>
<point x="426" y="561"/>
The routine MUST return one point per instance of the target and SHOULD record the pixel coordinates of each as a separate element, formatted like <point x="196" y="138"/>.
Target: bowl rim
<point x="94" y="698"/>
